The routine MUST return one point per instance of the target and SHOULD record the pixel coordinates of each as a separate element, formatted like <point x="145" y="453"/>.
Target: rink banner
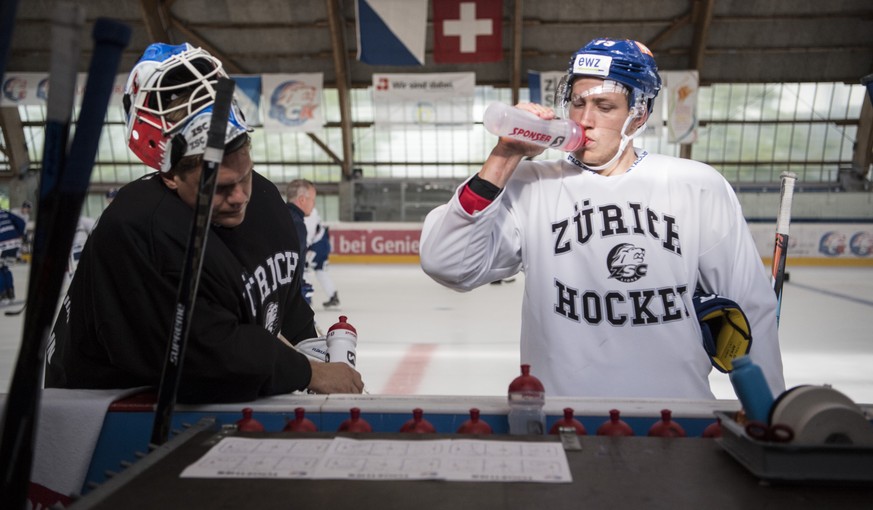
<point x="292" y="102"/>
<point x="810" y="244"/>
<point x="31" y="89"/>
<point x="423" y="98"/>
<point x="382" y="244"/>
<point x="820" y="243"/>
<point x="681" y="105"/>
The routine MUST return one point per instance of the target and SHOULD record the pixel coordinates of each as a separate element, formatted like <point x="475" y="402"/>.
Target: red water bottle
<point x="474" y="425"/>
<point x="300" y="423"/>
<point x="247" y="423"/>
<point x="615" y="426"/>
<point x="355" y="423"/>
<point x="418" y="425"/>
<point x="568" y="422"/>
<point x="666" y="427"/>
<point x="527" y="396"/>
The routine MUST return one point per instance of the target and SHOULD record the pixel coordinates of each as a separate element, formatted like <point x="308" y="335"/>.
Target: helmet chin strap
<point x="625" y="139"/>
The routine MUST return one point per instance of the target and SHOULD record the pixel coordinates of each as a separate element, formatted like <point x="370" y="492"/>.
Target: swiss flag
<point x="467" y="31"/>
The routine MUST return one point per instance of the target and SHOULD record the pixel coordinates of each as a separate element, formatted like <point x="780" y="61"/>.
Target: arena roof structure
<point x="726" y="41"/>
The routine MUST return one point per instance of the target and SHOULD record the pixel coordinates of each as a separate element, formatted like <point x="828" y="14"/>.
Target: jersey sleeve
<point x="463" y="251"/>
<point x="732" y="267"/>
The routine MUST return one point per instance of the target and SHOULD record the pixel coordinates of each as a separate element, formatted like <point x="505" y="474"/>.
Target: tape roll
<point x="820" y="415"/>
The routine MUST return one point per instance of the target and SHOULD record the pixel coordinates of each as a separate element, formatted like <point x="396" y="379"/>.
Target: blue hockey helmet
<point x="625" y="61"/>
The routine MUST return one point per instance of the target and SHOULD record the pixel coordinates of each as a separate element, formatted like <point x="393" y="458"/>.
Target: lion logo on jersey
<point x="626" y="263"/>
<point x="271" y="317"/>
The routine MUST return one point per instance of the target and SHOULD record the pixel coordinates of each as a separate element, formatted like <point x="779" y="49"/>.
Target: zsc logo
<point x="626" y="263"/>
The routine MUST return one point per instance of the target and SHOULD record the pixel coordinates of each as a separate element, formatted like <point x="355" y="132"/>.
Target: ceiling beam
<point x="668" y="32"/>
<point x="517" y="29"/>
<point x="702" y="11"/>
<point x="197" y="40"/>
<point x="14" y="141"/>
<point x="343" y="81"/>
<point x="862" y="157"/>
<point x="154" y="14"/>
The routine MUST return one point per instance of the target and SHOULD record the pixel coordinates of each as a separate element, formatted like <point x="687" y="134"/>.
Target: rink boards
<point x="607" y="472"/>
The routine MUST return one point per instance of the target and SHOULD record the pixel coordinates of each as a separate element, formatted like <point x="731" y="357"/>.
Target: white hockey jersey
<point x="611" y="264"/>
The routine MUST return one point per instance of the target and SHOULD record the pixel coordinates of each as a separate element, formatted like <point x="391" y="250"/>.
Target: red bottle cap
<point x="569" y="422"/>
<point x="526" y="383"/>
<point x="300" y="423"/>
<point x="418" y="425"/>
<point x="713" y="430"/>
<point x="247" y="423"/>
<point x="355" y="423"/>
<point x="666" y="427"/>
<point x="474" y="425"/>
<point x="342" y="324"/>
<point x="615" y="426"/>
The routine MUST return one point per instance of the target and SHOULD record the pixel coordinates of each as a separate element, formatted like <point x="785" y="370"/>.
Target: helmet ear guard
<point x="724" y="328"/>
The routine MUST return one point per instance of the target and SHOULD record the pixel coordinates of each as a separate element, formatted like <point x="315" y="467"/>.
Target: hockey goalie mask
<point x="724" y="328"/>
<point x="166" y="89"/>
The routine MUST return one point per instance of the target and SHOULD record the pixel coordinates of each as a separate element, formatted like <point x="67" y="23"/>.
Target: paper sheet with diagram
<point x="383" y="459"/>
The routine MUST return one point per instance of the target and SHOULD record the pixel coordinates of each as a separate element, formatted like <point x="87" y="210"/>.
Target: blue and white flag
<point x="542" y="86"/>
<point x="391" y="32"/>
<point x="248" y="96"/>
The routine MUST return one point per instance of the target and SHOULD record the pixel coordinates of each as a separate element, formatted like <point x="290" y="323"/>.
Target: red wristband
<point x="471" y="202"/>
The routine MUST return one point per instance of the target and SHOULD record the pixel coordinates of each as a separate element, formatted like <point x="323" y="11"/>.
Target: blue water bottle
<point x="752" y="389"/>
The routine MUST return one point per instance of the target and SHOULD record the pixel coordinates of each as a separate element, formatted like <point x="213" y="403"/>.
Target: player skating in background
<point x="317" y="256"/>
<point x="116" y="319"/>
<point x="613" y="241"/>
<point x="300" y="195"/>
<point x="12" y="231"/>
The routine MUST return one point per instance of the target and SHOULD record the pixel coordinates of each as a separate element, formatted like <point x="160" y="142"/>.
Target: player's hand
<point x="334" y="378"/>
<point x="508" y="145"/>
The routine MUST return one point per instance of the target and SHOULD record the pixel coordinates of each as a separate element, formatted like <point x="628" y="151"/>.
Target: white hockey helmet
<point x="167" y="88"/>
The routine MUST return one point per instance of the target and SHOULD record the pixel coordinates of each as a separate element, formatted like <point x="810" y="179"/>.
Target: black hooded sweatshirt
<point x="114" y="326"/>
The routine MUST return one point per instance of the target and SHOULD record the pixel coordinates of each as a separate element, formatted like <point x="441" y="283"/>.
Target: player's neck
<point x="622" y="164"/>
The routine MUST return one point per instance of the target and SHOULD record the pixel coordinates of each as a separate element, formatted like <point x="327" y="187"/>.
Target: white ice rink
<point x="416" y="337"/>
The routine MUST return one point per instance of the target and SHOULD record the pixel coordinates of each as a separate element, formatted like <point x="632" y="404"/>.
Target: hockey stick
<point x="780" y="250"/>
<point x="60" y="202"/>
<point x="8" y="8"/>
<point x="193" y="263"/>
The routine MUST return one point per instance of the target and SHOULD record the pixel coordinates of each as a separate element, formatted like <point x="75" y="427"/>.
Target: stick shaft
<point x="8" y="10"/>
<point x="780" y="249"/>
<point x="62" y="192"/>
<point x="190" y="277"/>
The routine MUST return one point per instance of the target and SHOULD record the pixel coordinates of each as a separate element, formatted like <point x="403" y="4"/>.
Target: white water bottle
<point x="342" y="340"/>
<point x="561" y="134"/>
<point x="526" y="399"/>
